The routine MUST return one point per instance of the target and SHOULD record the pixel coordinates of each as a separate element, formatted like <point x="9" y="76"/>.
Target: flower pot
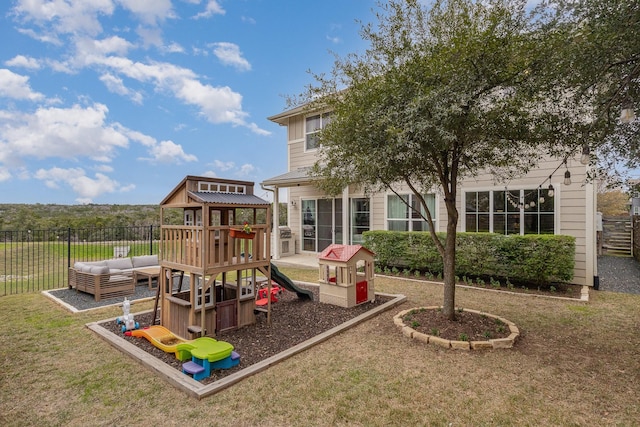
<point x="241" y="234"/>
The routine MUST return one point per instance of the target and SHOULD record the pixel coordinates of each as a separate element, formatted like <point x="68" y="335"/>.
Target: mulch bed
<point x="468" y="326"/>
<point x="293" y="321"/>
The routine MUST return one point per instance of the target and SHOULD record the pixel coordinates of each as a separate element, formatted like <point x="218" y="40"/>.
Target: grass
<point x="43" y="265"/>
<point x="576" y="364"/>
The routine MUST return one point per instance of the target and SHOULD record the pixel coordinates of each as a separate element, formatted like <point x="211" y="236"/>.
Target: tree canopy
<point x="440" y="95"/>
<point x="597" y="61"/>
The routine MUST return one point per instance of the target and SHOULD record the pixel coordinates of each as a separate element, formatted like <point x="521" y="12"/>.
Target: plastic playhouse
<point x="346" y="275"/>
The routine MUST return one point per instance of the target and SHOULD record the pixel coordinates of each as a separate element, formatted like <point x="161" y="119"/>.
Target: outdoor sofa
<point x="109" y="278"/>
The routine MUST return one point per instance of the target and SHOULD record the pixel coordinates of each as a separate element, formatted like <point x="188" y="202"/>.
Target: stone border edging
<point x="458" y="345"/>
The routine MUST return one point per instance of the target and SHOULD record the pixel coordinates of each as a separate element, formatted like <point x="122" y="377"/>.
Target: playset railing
<point x="209" y="248"/>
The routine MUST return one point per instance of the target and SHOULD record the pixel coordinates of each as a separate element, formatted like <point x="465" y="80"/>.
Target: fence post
<point x="69" y="247"/>
<point x="151" y="240"/>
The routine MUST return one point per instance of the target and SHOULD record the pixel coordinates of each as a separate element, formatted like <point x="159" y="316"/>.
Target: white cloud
<point x="248" y="19"/>
<point x="246" y="169"/>
<point x="210" y="174"/>
<point x="5" y="175"/>
<point x="16" y="86"/>
<point x="103" y="168"/>
<point x="86" y="187"/>
<point x="163" y="152"/>
<point x="223" y="166"/>
<point x="229" y="54"/>
<point x="150" y="12"/>
<point x="23" y="62"/>
<point x="170" y="152"/>
<point x="114" y="45"/>
<point x="217" y="104"/>
<point x="213" y="8"/>
<point x="151" y="36"/>
<point x="174" y="48"/>
<point x="80" y="16"/>
<point x="67" y="133"/>
<point x="116" y="85"/>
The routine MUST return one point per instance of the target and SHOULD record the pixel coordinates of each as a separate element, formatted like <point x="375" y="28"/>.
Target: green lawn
<point x="44" y="265"/>
<point x="575" y="364"/>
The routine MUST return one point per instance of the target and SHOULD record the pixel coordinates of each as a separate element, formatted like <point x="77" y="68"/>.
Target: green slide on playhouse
<point x="286" y="283"/>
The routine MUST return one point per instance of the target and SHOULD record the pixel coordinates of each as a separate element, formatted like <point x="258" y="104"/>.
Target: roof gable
<point x="343" y="253"/>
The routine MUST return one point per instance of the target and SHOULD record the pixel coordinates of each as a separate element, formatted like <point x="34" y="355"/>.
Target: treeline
<point x="16" y="217"/>
<point x="47" y="217"/>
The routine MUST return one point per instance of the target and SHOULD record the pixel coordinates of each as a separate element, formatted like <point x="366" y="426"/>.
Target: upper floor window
<point x="313" y="125"/>
<point x="401" y="218"/>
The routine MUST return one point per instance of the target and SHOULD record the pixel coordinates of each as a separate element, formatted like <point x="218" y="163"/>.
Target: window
<point x="529" y="211"/>
<point x="360" y="219"/>
<point x="212" y="187"/>
<point x="477" y="211"/>
<point x="314" y="125"/>
<point x="401" y="218"/>
<point x="309" y="225"/>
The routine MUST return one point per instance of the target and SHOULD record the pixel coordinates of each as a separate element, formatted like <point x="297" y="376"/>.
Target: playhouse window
<point x="246" y="281"/>
<point x="208" y="294"/>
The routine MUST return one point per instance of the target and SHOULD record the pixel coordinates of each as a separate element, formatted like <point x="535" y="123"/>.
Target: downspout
<point x="275" y="221"/>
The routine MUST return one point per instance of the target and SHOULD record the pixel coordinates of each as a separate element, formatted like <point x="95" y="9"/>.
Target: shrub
<point x="539" y="259"/>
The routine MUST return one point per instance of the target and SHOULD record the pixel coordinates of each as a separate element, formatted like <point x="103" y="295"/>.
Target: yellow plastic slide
<point x="160" y="337"/>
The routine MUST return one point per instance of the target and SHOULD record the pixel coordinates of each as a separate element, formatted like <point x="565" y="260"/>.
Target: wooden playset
<point x="346" y="275"/>
<point x="215" y="239"/>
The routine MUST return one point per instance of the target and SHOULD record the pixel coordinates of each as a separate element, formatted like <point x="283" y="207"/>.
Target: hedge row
<point x="531" y="258"/>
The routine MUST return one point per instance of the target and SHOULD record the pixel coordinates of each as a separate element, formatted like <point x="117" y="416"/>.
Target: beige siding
<point x="575" y="204"/>
<point x="296" y="128"/>
<point x="571" y="207"/>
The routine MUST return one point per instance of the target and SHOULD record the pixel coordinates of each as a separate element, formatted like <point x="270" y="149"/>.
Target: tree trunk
<point x="449" y="274"/>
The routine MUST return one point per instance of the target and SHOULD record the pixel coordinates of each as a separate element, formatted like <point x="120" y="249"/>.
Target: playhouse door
<point x="361" y="292"/>
<point x="226" y="315"/>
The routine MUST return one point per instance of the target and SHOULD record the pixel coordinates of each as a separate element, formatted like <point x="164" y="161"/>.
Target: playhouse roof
<point x="342" y="253"/>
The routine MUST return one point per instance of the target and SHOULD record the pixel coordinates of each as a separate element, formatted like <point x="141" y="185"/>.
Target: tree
<point x="613" y="203"/>
<point x="597" y="61"/>
<point x="441" y="94"/>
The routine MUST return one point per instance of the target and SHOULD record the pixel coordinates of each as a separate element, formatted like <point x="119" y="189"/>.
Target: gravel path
<point x="83" y="301"/>
<point x="619" y="274"/>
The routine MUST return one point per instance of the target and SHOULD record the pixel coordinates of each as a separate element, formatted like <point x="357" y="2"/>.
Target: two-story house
<point x="534" y="203"/>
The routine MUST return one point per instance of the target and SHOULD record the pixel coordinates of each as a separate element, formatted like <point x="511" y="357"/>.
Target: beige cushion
<point x="100" y="270"/>
<point x="120" y="263"/>
<point x="145" y="261"/>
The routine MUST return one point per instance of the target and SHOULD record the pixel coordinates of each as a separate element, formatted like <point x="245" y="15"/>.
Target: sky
<point x="116" y="101"/>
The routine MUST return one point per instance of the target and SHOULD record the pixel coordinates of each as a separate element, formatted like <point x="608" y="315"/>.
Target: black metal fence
<point x="37" y="260"/>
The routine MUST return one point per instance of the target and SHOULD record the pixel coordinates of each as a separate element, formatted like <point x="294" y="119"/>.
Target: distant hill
<point x="47" y="217"/>
<point x="14" y="217"/>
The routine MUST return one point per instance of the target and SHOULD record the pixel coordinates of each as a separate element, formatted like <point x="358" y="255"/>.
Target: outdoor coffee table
<point x="149" y="273"/>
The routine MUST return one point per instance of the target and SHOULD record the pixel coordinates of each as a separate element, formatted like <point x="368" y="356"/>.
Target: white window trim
<point x="433" y="214"/>
<point x="322" y="114"/>
<point x="556" y="204"/>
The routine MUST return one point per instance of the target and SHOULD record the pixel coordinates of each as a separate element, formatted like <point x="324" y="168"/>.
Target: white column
<point x="276" y="223"/>
<point x="346" y="229"/>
